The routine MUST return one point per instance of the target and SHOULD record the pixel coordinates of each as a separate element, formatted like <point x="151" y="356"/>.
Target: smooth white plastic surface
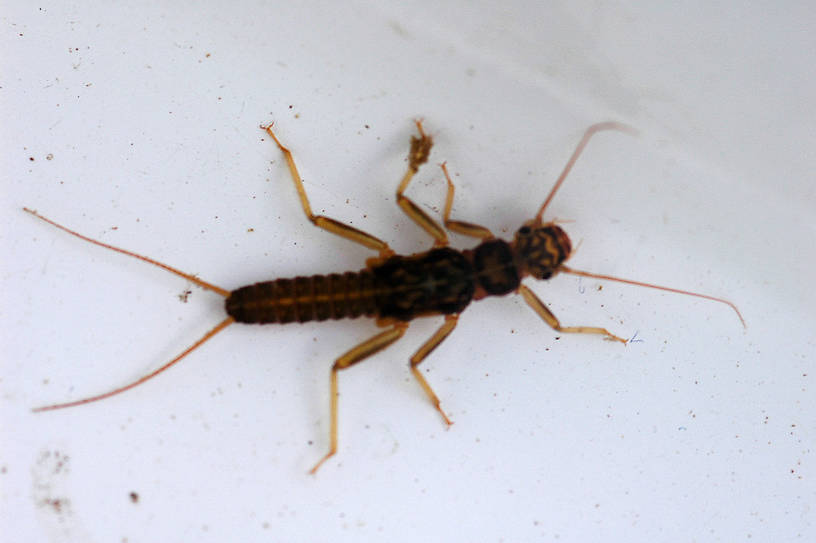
<point x="138" y="125"/>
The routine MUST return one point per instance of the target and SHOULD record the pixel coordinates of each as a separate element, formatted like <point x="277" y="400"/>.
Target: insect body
<point x="396" y="289"/>
<point x="440" y="281"/>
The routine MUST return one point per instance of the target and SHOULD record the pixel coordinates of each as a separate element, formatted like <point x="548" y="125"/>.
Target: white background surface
<point x="142" y="123"/>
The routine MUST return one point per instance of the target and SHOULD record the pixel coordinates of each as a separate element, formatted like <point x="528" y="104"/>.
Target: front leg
<point x="461" y="227"/>
<point x="539" y="307"/>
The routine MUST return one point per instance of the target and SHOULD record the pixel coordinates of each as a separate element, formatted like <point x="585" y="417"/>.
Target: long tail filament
<point x="203" y="284"/>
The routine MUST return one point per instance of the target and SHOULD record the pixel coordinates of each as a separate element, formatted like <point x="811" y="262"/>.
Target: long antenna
<point x="565" y="269"/>
<point x="591" y="131"/>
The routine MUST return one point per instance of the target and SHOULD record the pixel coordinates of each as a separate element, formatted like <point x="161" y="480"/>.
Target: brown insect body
<point x="396" y="289"/>
<point x="442" y="281"/>
<point x="303" y="299"/>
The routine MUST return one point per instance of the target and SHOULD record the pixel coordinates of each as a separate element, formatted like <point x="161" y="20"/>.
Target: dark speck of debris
<point x="134" y="497"/>
<point x="31" y="158"/>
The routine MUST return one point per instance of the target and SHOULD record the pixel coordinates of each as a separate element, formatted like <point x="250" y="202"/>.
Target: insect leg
<point x="357" y="354"/>
<point x="461" y="227"/>
<point x="326" y="223"/>
<point x="539" y="307"/>
<point x="418" y="155"/>
<point x="425" y="350"/>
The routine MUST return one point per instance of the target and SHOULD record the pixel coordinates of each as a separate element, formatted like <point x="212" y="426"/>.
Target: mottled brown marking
<point x="542" y="249"/>
<point x="439" y="281"/>
<point x="495" y="267"/>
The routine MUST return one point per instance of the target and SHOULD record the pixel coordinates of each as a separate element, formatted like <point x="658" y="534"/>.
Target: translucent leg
<point x="326" y="223"/>
<point x="424" y="351"/>
<point x="357" y="354"/>
<point x="461" y="227"/>
<point x="418" y="155"/>
<point x="539" y="307"/>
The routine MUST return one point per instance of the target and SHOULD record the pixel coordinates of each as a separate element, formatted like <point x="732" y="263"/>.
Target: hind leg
<point x="327" y="223"/>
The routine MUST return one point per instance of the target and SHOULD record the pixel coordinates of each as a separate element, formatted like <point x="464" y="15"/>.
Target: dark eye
<point x="524" y="230"/>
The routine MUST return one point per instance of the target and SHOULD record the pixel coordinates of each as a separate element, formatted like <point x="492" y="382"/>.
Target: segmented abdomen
<point x="304" y="299"/>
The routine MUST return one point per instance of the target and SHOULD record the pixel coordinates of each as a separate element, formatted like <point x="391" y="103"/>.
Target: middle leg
<point x="417" y="156"/>
<point x="426" y="349"/>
